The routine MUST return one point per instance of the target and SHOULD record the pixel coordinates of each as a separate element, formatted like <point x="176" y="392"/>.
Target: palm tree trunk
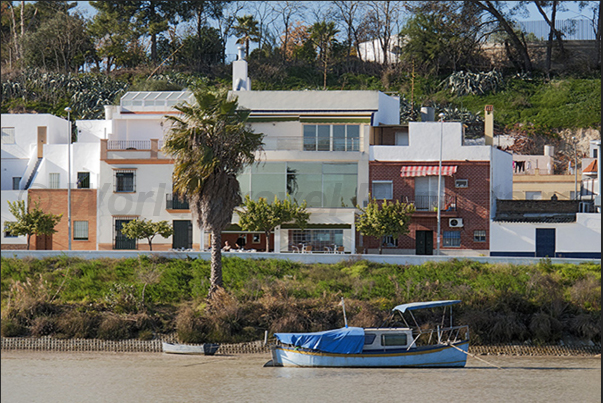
<point x="216" y="263"/>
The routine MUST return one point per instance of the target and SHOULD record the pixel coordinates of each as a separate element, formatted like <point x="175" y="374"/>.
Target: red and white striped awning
<point x="427" y="170"/>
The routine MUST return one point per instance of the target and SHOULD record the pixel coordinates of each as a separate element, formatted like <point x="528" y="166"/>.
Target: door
<point x="122" y="241"/>
<point x="545" y="242"/>
<point x="41" y="140"/>
<point x="424" y="243"/>
<point x="44" y="242"/>
<point x="183" y="234"/>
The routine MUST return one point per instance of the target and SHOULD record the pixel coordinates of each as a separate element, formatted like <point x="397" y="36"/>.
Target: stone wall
<point x="256" y="347"/>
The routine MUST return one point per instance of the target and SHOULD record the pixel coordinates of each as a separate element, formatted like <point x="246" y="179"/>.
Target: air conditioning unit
<point x="455" y="222"/>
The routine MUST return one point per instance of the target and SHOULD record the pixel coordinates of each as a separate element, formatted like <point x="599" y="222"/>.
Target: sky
<point x="572" y="12"/>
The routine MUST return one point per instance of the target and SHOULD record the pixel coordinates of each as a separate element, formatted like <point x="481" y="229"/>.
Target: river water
<point x="150" y="377"/>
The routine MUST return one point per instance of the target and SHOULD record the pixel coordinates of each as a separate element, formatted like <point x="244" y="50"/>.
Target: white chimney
<point x="240" y="81"/>
<point x="548" y="151"/>
<point x="489" y="124"/>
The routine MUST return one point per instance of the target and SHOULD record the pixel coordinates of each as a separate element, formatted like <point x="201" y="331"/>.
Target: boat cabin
<point x="387" y="338"/>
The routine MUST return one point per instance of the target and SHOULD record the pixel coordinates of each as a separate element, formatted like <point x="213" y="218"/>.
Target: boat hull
<point x="428" y="357"/>
<point x="201" y="349"/>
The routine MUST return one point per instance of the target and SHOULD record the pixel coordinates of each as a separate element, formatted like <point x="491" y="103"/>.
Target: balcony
<point x="430" y="203"/>
<point x="291" y="143"/>
<point x="118" y="151"/>
<point x="173" y="202"/>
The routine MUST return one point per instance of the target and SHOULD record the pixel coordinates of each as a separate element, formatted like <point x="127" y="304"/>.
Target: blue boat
<point x="397" y="346"/>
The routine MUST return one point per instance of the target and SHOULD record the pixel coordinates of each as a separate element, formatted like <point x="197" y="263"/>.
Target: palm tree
<point x="247" y="31"/>
<point x="322" y="35"/>
<point x="211" y="144"/>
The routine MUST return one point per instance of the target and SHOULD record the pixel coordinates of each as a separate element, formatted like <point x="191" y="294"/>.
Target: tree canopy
<point x="31" y="221"/>
<point x="147" y="229"/>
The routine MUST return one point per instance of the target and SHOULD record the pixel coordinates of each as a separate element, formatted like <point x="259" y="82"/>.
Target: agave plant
<point x="467" y="83"/>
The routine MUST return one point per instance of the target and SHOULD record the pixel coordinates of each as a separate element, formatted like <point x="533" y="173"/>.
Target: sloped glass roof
<point x="155" y="98"/>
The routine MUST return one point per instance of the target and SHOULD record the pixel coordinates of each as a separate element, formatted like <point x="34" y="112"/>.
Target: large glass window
<point x="319" y="239"/>
<point x="268" y="180"/>
<point x="331" y="137"/>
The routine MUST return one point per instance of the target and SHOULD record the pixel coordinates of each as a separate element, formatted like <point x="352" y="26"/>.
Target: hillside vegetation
<point x="145" y="297"/>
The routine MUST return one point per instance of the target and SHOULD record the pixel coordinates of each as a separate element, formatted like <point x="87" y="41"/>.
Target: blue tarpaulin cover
<point x="347" y="340"/>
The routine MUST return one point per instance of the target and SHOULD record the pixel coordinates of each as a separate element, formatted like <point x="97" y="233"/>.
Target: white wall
<point x="389" y="110"/>
<point x="153" y="182"/>
<point x="135" y="128"/>
<point x="13" y="196"/>
<point x="91" y="131"/>
<point x="501" y="173"/>
<point x="584" y="235"/>
<point x="424" y="145"/>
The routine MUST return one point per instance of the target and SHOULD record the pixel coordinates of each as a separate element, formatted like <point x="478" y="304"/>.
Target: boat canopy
<point x="420" y="305"/>
<point x="347" y="340"/>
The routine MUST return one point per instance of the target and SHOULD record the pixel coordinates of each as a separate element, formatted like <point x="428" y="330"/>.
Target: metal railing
<point x="287" y="143"/>
<point x="128" y="145"/>
<point x="430" y="203"/>
<point x="173" y="202"/>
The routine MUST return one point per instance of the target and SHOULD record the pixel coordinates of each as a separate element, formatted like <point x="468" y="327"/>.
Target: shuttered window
<point x="80" y="230"/>
<point x="54" y="180"/>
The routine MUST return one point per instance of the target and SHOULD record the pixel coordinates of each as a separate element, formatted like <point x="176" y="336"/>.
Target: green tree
<point x="322" y="35"/>
<point x="247" y="31"/>
<point x="31" y="221"/>
<point x="211" y="144"/>
<point x="60" y="44"/>
<point x="261" y="216"/>
<point x="389" y="218"/>
<point x="147" y="229"/>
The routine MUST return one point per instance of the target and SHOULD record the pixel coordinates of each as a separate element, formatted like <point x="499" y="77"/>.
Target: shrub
<point x="75" y="324"/>
<point x="11" y="327"/>
<point x="43" y="326"/>
<point x="113" y="327"/>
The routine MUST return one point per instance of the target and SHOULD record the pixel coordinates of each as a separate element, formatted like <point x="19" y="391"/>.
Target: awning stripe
<point x="427" y="170"/>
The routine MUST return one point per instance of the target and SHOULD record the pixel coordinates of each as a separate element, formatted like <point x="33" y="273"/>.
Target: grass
<point x="126" y="298"/>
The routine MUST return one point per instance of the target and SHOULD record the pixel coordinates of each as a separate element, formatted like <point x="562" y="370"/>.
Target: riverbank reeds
<point x="117" y="299"/>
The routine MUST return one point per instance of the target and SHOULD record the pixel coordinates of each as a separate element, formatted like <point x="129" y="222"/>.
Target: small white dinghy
<point x="205" y="348"/>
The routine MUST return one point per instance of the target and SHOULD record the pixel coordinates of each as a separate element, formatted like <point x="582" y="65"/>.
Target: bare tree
<point x="554" y="33"/>
<point x="496" y="10"/>
<point x="384" y="18"/>
<point x="287" y="11"/>
<point x="351" y="13"/>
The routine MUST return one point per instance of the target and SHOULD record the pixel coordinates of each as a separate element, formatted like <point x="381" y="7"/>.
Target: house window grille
<point x="83" y="180"/>
<point x="125" y="180"/>
<point x="479" y="235"/>
<point x="80" y="230"/>
<point x="452" y="239"/>
<point x="8" y="135"/>
<point x="54" y="180"/>
<point x="383" y="190"/>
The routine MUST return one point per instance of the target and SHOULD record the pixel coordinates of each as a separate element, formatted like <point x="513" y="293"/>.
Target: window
<point x="256" y="238"/>
<point x="54" y="180"/>
<point x="317" y="238"/>
<point x="125" y="180"/>
<point x="16" y="181"/>
<point x="452" y="238"/>
<point x="402" y="139"/>
<point x="83" y="180"/>
<point x="394" y="339"/>
<point x="80" y="230"/>
<point x="479" y="235"/>
<point x="461" y="183"/>
<point x="533" y="195"/>
<point x="369" y="338"/>
<point x="331" y="137"/>
<point x="426" y="192"/>
<point x="8" y="234"/>
<point x="390" y="241"/>
<point x="383" y="190"/>
<point x="8" y="135"/>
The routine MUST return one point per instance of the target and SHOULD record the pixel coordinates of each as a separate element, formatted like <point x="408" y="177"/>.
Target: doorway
<point x="545" y="242"/>
<point x="183" y="234"/>
<point x="424" y="243"/>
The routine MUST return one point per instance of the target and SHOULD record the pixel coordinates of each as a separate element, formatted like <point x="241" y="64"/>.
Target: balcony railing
<point x="173" y="202"/>
<point x="430" y="203"/>
<point x="128" y="145"/>
<point x="282" y="143"/>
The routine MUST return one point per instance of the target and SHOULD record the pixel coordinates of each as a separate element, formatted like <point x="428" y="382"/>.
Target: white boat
<point x="205" y="349"/>
<point x="400" y="346"/>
